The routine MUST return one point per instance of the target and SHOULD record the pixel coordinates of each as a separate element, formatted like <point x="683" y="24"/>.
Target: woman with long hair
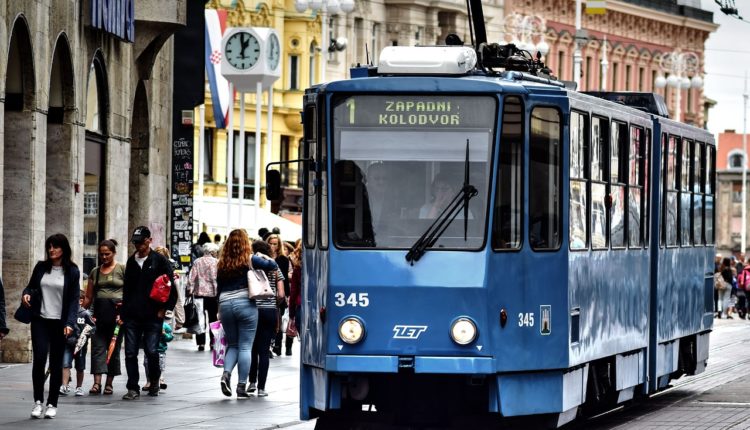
<point x="237" y="312"/>
<point x="295" y="285"/>
<point x="52" y="295"/>
<point x="104" y="292"/>
<point x="278" y="253"/>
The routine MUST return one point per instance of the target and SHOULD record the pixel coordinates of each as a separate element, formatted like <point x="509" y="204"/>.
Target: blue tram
<point x="483" y="244"/>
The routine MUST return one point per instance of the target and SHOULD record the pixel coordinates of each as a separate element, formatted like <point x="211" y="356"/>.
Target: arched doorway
<point x="139" y="195"/>
<point x="19" y="246"/>
<point x="94" y="185"/>
<point x="60" y="147"/>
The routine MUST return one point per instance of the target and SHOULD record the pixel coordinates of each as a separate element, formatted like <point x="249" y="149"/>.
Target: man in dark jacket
<point x="143" y="317"/>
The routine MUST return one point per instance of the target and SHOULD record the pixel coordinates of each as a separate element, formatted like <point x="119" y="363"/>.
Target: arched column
<point x="139" y="190"/>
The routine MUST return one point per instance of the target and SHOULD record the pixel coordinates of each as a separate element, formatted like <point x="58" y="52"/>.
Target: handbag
<point x="291" y="328"/>
<point x="219" y="350"/>
<point x="719" y="283"/>
<point x="24" y="314"/>
<point x="160" y="289"/>
<point x="257" y="284"/>
<point x="191" y="312"/>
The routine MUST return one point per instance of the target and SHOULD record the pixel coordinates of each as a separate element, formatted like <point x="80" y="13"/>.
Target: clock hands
<point x="244" y="43"/>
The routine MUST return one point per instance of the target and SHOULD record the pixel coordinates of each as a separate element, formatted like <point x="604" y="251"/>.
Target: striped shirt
<point x="270" y="302"/>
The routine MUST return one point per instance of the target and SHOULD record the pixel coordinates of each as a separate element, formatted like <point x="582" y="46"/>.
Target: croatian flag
<point x="216" y="23"/>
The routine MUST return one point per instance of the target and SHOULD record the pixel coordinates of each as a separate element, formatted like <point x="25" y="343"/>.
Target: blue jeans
<point x="239" y="317"/>
<point x="149" y="332"/>
<point x="68" y="359"/>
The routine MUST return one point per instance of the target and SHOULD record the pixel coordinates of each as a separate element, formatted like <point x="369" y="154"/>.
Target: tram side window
<point x="696" y="179"/>
<point x="645" y="174"/>
<point x="579" y="167"/>
<point x="599" y="175"/>
<point x="710" y="187"/>
<point x="618" y="179"/>
<point x="506" y="231"/>
<point x="686" y="199"/>
<point x="636" y="181"/>
<point x="323" y="146"/>
<point x="310" y="203"/>
<point x="671" y="194"/>
<point x="544" y="179"/>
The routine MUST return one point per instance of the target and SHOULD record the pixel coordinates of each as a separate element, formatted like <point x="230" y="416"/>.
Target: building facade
<point x="307" y="60"/>
<point x="638" y="34"/>
<point x="729" y="164"/>
<point x="85" y="93"/>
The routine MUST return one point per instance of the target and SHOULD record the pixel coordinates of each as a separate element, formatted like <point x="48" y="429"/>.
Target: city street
<point x="716" y="399"/>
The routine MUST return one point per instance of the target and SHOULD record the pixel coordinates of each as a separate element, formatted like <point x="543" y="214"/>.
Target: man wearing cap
<point x="143" y="317"/>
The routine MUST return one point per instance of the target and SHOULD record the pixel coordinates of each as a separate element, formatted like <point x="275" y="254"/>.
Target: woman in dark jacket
<point x="52" y="294"/>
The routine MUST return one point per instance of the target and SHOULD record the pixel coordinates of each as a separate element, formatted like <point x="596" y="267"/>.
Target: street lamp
<point x="326" y="7"/>
<point x="680" y="65"/>
<point x="524" y="29"/>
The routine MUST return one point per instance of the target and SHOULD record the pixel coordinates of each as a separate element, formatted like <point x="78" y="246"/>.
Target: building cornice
<point x="661" y="16"/>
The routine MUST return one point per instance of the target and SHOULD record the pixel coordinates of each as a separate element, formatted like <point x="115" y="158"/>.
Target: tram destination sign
<point x="415" y="111"/>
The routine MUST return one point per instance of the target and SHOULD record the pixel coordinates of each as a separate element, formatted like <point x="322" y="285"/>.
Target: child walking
<point x="166" y="336"/>
<point x="82" y="333"/>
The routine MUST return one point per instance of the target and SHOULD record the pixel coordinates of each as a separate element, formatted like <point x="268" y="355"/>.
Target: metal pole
<point x="326" y="41"/>
<point x="269" y="128"/>
<point x="744" y="167"/>
<point x="577" y="57"/>
<point x="241" y="173"/>
<point x="201" y="169"/>
<point x="230" y="157"/>
<point x="256" y="187"/>
<point x="605" y="65"/>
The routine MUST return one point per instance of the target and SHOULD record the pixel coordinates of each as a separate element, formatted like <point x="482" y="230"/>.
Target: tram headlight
<point x="463" y="331"/>
<point x="351" y="330"/>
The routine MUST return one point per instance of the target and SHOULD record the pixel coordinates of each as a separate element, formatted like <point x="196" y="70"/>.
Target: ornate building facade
<point x="83" y="98"/>
<point x="638" y="34"/>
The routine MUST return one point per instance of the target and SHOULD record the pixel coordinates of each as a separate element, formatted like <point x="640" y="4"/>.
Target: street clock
<point x="251" y="55"/>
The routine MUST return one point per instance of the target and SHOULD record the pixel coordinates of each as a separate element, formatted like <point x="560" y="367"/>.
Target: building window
<point x="735" y="160"/>
<point x="293" y="72"/>
<point x="208" y="154"/>
<point x="640" y="79"/>
<point x="313" y="63"/>
<point x="588" y="74"/>
<point x="284" y="156"/>
<point x="614" y="76"/>
<point x="359" y="40"/>
<point x="561" y="64"/>
<point x="90" y="204"/>
<point x="249" y="179"/>
<point x="375" y="43"/>
<point x="628" y="70"/>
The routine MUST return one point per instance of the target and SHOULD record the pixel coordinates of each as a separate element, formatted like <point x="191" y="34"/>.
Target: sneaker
<point x="162" y="384"/>
<point x="225" y="381"/>
<point x="37" y="411"/>
<point x="79" y="391"/>
<point x="131" y="395"/>
<point x="252" y="388"/>
<point x="201" y="348"/>
<point x="241" y="391"/>
<point x="262" y="393"/>
<point x="51" y="412"/>
<point x="64" y="390"/>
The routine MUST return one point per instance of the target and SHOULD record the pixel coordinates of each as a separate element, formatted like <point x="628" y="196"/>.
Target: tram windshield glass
<point x="399" y="161"/>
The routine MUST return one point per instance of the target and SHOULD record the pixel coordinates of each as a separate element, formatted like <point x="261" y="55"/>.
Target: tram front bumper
<point x="392" y="364"/>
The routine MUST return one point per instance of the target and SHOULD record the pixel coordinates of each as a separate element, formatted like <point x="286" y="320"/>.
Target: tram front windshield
<point x="400" y="160"/>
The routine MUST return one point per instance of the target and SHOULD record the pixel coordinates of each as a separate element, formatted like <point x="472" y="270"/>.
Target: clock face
<point x="242" y="50"/>
<point x="274" y="51"/>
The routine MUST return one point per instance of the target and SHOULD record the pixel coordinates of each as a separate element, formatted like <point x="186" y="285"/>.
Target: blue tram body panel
<point x="556" y="329"/>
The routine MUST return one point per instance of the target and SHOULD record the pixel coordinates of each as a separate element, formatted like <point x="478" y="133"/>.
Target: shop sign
<point x="116" y="17"/>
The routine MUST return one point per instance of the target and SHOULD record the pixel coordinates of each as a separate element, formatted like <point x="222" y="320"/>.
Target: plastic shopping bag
<point x="220" y="344"/>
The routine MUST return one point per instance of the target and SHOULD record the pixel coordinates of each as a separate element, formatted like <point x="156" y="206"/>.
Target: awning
<point x="211" y="212"/>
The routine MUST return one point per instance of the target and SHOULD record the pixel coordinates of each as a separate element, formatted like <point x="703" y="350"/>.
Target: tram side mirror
<point x="273" y="185"/>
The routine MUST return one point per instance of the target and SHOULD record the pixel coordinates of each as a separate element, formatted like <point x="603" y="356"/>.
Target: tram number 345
<point x="526" y="319"/>
<point x="354" y="299"/>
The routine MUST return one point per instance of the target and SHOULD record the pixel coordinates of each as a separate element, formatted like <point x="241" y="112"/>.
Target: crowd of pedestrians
<point x="731" y="287"/>
<point x="117" y="303"/>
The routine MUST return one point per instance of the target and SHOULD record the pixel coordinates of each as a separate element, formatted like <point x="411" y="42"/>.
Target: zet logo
<point x="408" y="331"/>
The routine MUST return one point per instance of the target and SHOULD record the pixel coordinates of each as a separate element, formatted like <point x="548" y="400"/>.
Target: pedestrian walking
<point x="237" y="312"/>
<point x="166" y="336"/>
<point x="202" y="285"/>
<point x="196" y="251"/>
<point x="70" y="357"/>
<point x="295" y="286"/>
<point x="278" y="253"/>
<point x="268" y="324"/>
<point x="725" y="271"/>
<point x="104" y="294"/>
<point x="52" y="294"/>
<point x="142" y="316"/>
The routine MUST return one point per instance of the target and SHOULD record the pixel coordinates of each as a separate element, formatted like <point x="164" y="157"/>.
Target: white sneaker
<point x="51" y="412"/>
<point x="79" y="391"/>
<point x="64" y="389"/>
<point x="262" y="393"/>
<point x="37" y="411"/>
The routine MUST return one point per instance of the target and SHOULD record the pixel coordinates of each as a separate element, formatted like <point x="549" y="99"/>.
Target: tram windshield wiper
<point x="437" y="228"/>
